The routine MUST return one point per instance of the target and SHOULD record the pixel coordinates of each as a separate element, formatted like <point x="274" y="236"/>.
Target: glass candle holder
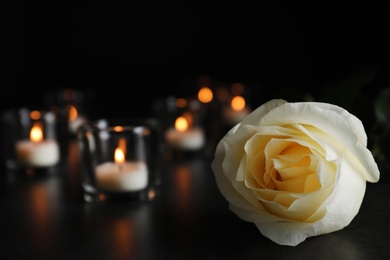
<point x="30" y="140"/>
<point x="235" y="111"/>
<point x="184" y="135"/>
<point x="72" y="107"/>
<point x="119" y="160"/>
<point x="70" y="104"/>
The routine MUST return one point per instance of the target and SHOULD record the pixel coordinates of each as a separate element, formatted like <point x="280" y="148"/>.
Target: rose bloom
<point x="295" y="170"/>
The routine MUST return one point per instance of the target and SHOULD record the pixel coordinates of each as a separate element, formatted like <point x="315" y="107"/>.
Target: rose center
<point x="292" y="169"/>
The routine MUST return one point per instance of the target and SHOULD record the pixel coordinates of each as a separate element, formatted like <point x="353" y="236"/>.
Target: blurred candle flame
<point x="120" y="151"/>
<point x="36" y="134"/>
<point x="181" y="124"/>
<point x="118" y="128"/>
<point x="72" y="112"/>
<point x="238" y="103"/>
<point x="119" y="156"/>
<point x="122" y="145"/>
<point x="205" y="95"/>
<point x="35" y="115"/>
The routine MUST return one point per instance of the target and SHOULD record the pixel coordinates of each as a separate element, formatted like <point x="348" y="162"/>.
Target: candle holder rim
<point x="126" y="124"/>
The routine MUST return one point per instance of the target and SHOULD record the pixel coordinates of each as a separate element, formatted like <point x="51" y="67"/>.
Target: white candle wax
<point x="128" y="176"/>
<point x="40" y="154"/>
<point x="190" y="139"/>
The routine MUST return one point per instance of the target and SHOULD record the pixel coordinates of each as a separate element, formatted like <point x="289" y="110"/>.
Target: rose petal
<point x="344" y="127"/>
<point x="295" y="169"/>
<point x="341" y="209"/>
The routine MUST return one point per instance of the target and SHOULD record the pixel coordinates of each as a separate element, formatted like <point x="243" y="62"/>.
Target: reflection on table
<point x="45" y="217"/>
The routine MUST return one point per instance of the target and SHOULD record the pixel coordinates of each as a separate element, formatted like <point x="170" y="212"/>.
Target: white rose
<point x="295" y="170"/>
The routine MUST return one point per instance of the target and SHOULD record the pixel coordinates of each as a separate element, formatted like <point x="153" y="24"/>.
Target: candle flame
<point x="238" y="103"/>
<point x="72" y="112"/>
<point x="181" y="124"/>
<point x="118" y="128"/>
<point x="205" y="95"/>
<point x="122" y="144"/>
<point x="35" y="115"/>
<point x="36" y="134"/>
<point x="119" y="155"/>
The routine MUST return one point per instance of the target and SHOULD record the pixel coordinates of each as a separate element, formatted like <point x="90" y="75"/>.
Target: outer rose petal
<point x="341" y="209"/>
<point x="333" y="120"/>
<point x="339" y="133"/>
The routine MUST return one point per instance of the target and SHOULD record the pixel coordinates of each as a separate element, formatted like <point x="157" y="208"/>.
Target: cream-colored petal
<point x="231" y="190"/>
<point x="255" y="171"/>
<point x="329" y="197"/>
<point x="342" y="207"/>
<point x="261" y="111"/>
<point x="333" y="120"/>
<point x="303" y="184"/>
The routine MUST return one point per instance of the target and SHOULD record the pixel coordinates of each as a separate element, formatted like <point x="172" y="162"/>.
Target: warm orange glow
<point x="72" y="112"/>
<point x="183" y="187"/>
<point x="152" y="194"/>
<point x="36" y="134"/>
<point x="205" y="95"/>
<point x="40" y="213"/>
<point x="118" y="128"/>
<point x="238" y="103"/>
<point x="122" y="145"/>
<point x="181" y="102"/>
<point x="190" y="119"/>
<point x="123" y="234"/>
<point x="35" y="115"/>
<point x="181" y="124"/>
<point x="119" y="156"/>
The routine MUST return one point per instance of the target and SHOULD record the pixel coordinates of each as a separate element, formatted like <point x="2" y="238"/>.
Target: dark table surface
<point x="45" y="217"/>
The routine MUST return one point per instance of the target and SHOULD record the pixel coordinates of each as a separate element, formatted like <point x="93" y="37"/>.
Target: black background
<point x="129" y="53"/>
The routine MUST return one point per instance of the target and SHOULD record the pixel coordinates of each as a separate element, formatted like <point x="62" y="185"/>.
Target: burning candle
<point x="237" y="110"/>
<point x="37" y="151"/>
<point x="121" y="175"/>
<point x="205" y="95"/>
<point x="183" y="137"/>
<point x="75" y="119"/>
